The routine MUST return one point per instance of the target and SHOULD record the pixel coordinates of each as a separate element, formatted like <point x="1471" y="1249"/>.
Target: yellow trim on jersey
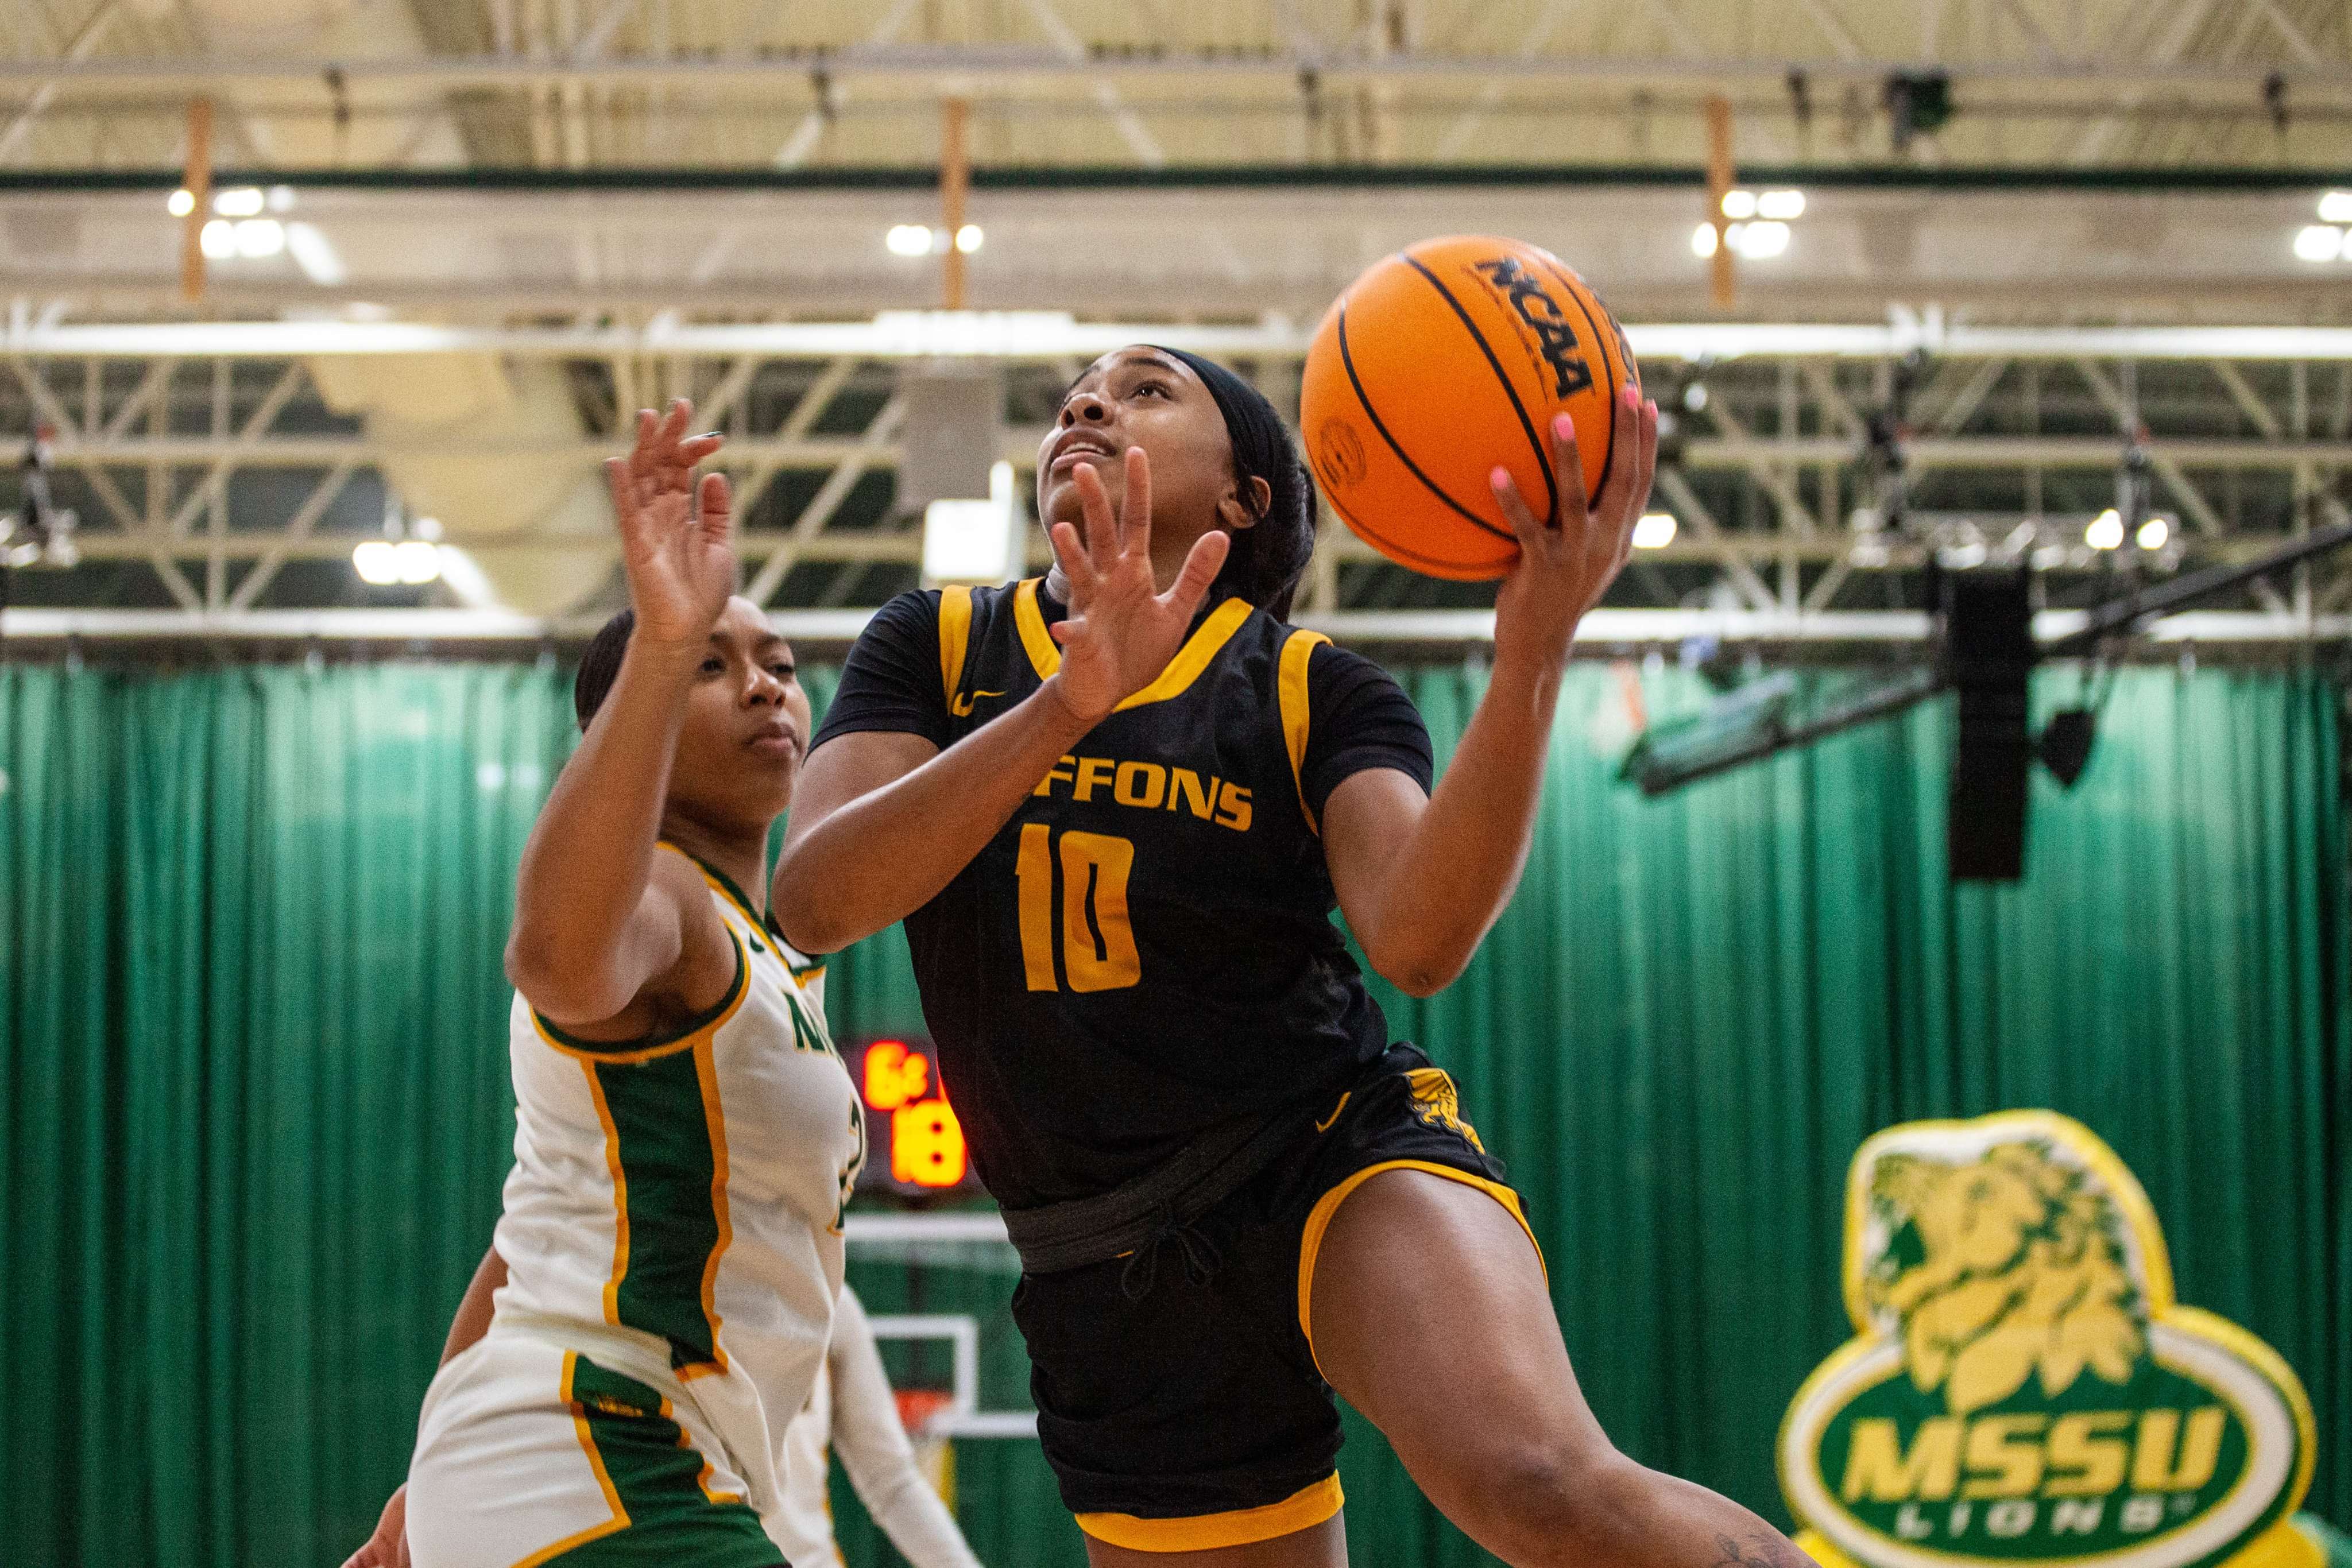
<point x="699" y="1041"/>
<point x="620" y="1520"/>
<point x="645" y="1048"/>
<point x="716" y="882"/>
<point x="1182" y="670"/>
<point x="955" y="631"/>
<point x="1303" y="1510"/>
<point x="1043" y="655"/>
<point x="620" y="1200"/>
<point x="714" y="1114"/>
<point x="1298" y="653"/>
<point x="686" y="1441"/>
<point x="1310" y="1240"/>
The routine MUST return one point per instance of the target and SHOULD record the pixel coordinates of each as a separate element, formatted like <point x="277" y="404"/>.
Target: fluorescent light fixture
<point x="219" y="239"/>
<point x="909" y="239"/>
<point x="281" y="198"/>
<point x="2105" y="530"/>
<point x="1780" y="205"/>
<point x="1703" y="241"/>
<point x="2336" y="207"/>
<point x="2319" y="242"/>
<point x="386" y="561"/>
<point x="426" y="528"/>
<point x="1654" y="530"/>
<point x="2153" y="533"/>
<point x="1739" y="204"/>
<point x="969" y="238"/>
<point x="973" y="541"/>
<point x="376" y="561"/>
<point x="258" y="238"/>
<point x="314" y="253"/>
<point x="1760" y="241"/>
<point x="417" y="560"/>
<point x="466" y="579"/>
<point x="183" y="201"/>
<point x="238" y="201"/>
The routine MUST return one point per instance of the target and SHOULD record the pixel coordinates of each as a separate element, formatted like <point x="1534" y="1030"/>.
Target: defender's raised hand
<point x="678" y="536"/>
<point x="1122" y="630"/>
<point x="1567" y="563"/>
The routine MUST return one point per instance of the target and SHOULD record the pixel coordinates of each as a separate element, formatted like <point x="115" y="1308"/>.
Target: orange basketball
<point x="1441" y="363"/>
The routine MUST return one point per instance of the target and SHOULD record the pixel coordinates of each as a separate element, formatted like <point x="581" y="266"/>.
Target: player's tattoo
<point x="1761" y="1550"/>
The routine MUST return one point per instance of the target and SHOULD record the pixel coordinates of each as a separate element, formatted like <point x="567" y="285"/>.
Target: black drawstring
<point x="1201" y="1259"/>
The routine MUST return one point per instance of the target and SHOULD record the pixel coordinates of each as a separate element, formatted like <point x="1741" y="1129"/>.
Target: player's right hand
<point x="1568" y="561"/>
<point x="1122" y="630"/>
<point x="388" y="1547"/>
<point x="678" y="536"/>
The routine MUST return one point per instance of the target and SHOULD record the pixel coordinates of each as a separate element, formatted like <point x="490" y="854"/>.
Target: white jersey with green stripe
<point x="682" y="1195"/>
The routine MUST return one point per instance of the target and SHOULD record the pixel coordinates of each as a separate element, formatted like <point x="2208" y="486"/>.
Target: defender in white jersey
<point x="657" y="1302"/>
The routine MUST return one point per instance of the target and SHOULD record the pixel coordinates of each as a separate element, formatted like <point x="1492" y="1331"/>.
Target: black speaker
<point x="1987" y="655"/>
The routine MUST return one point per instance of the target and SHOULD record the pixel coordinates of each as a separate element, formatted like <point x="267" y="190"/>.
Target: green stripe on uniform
<point x="658" y="1476"/>
<point x="667" y="1166"/>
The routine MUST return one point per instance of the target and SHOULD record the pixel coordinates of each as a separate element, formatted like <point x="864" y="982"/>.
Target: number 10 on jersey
<point x="1097" y="943"/>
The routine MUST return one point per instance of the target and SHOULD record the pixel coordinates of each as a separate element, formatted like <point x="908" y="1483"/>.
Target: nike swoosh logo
<point x="961" y="706"/>
<point x="1325" y="1124"/>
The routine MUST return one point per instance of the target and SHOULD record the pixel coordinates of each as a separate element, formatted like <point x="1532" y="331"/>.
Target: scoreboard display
<point x="914" y="1143"/>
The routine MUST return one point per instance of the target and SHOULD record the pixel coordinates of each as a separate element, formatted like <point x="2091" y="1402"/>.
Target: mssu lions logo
<point x="2022" y="1388"/>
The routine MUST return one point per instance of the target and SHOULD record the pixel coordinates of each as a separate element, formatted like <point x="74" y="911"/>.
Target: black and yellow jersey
<point x="1145" y="949"/>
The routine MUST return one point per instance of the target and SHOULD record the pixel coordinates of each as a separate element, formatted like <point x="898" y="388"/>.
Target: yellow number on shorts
<point x="1098" y="943"/>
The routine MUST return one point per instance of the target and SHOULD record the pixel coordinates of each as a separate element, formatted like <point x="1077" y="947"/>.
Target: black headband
<point x="1262" y="448"/>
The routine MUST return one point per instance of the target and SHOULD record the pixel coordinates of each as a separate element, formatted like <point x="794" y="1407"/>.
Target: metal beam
<point x="1755" y="548"/>
<point x="1770" y="476"/>
<point x="232" y="450"/>
<point x="827" y="500"/>
<point x="85" y="39"/>
<point x="1834" y="28"/>
<point x="928" y="67"/>
<point x="1555" y="12"/>
<point x="2234" y="383"/>
<point x="592" y="43"/>
<point x="801" y="145"/>
<point x="2181" y="488"/>
<point x="2297" y="41"/>
<point x="1692" y="511"/>
<point x="1602" y="633"/>
<point x="297" y="527"/>
<point x="780" y="452"/>
<point x="1131" y="130"/>
<point x="2181" y="18"/>
<point x="1043" y="336"/>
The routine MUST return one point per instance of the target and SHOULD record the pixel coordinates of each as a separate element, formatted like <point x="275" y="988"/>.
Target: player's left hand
<point x="1568" y="562"/>
<point x="678" y="536"/>
<point x="388" y="1547"/>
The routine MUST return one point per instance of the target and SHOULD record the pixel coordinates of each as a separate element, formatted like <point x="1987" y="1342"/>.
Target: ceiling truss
<point x="219" y="496"/>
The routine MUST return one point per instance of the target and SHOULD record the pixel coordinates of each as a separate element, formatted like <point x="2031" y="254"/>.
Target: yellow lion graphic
<point x="2018" y="1268"/>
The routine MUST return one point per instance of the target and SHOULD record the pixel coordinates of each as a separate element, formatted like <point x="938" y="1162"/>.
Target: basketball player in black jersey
<point x="1114" y="808"/>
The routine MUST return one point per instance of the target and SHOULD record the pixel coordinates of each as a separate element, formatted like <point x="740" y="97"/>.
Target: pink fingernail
<point x="1564" y="427"/>
<point x="1633" y="395"/>
<point x="1501" y="478"/>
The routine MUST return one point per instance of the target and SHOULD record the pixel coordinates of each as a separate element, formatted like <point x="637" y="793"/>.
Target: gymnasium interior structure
<point x="1951" y="787"/>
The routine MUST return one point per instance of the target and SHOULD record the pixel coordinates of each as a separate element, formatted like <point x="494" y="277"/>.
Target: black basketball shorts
<point x="1177" y="1393"/>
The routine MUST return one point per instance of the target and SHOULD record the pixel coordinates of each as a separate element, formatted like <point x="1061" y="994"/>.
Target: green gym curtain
<point x="254" y="1108"/>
